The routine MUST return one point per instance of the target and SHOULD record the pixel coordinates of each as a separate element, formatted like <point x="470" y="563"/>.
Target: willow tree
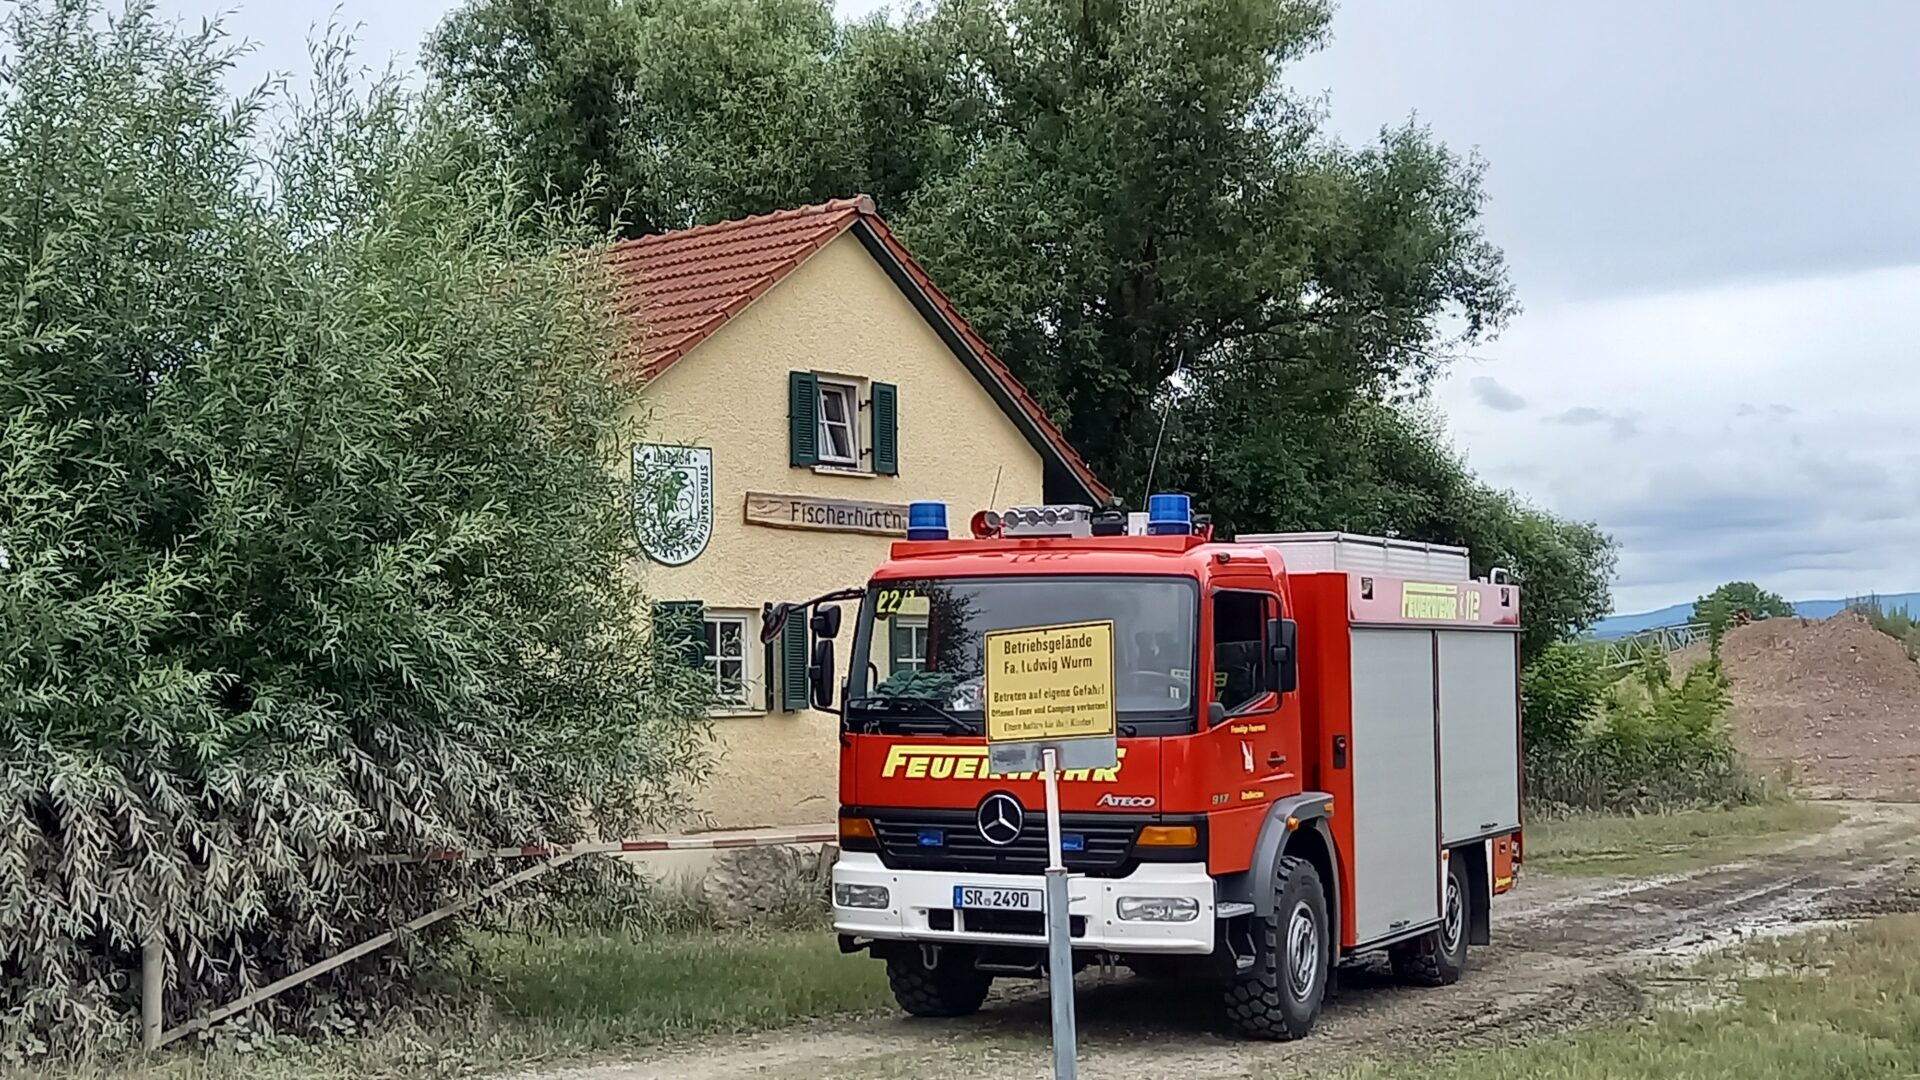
<point x="316" y="541"/>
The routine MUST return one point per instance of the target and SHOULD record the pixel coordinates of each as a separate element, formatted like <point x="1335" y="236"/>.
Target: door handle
<point x="1339" y="751"/>
<point x="1276" y="759"/>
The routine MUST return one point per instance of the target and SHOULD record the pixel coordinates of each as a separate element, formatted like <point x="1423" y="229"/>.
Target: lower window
<point x="729" y="659"/>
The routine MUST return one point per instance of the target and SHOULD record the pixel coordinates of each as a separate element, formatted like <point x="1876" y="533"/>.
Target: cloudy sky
<point x="1709" y="213"/>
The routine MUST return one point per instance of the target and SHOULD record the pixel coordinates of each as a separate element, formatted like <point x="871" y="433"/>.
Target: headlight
<point x="861" y="896"/>
<point x="1159" y="909"/>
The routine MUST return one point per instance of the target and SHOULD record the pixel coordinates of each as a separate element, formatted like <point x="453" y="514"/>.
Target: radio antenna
<point x="993" y="500"/>
<point x="1166" y="409"/>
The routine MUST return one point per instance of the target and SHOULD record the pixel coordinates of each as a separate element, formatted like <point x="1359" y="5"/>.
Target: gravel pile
<point x="1836" y="701"/>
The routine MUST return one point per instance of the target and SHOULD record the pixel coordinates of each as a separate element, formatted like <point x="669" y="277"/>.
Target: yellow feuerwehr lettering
<point x="919" y="761"/>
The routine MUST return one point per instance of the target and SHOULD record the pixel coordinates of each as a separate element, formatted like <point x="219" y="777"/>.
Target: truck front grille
<point x="951" y="840"/>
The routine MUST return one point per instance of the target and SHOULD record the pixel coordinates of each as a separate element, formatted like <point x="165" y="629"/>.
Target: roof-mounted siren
<point x="1053" y="520"/>
<point x="985" y="525"/>
<point x="927" y="521"/>
<point x="1169" y="515"/>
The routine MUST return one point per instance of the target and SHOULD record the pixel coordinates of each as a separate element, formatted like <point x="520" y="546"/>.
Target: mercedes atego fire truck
<point x="1319" y="757"/>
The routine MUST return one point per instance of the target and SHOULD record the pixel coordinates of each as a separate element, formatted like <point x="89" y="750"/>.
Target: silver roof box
<point x="1325" y="552"/>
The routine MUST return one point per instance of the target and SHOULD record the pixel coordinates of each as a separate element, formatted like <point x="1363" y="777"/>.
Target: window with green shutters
<point x="886" y="429"/>
<point x="793" y="663"/>
<point x="832" y="431"/>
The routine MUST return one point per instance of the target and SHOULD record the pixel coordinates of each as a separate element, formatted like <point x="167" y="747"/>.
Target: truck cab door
<point x="1244" y="695"/>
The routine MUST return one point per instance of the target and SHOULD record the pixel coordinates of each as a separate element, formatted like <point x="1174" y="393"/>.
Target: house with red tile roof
<point x="804" y="381"/>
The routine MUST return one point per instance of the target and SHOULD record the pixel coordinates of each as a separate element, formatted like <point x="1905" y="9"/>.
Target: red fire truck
<point x="1319" y="757"/>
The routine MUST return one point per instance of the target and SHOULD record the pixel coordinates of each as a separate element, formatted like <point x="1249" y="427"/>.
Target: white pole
<point x="1059" y="931"/>
<point x="153" y="989"/>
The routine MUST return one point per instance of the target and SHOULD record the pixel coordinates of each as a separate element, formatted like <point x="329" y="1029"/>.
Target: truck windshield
<point x="917" y="654"/>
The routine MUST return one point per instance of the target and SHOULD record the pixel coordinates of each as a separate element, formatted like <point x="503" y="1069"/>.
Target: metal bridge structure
<point x="1622" y="653"/>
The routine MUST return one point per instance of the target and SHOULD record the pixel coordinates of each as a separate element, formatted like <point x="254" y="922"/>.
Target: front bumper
<point x="918" y="896"/>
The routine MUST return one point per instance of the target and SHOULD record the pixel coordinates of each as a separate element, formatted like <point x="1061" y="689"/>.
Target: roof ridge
<point x="859" y="204"/>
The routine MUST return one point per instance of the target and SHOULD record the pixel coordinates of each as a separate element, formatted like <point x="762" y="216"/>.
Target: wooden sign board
<point x="826" y="515"/>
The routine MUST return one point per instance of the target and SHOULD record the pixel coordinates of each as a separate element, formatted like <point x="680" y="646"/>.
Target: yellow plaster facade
<point x="839" y="315"/>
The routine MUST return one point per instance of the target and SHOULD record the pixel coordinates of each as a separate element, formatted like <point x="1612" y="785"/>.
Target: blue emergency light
<point x="927" y="521"/>
<point x="1169" y="515"/>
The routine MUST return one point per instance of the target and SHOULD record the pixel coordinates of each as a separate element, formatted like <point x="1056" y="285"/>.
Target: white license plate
<point x="996" y="899"/>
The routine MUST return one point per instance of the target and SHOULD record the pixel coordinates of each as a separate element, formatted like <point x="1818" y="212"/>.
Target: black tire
<point x="1439" y="957"/>
<point x="1293" y="956"/>
<point x="953" y="988"/>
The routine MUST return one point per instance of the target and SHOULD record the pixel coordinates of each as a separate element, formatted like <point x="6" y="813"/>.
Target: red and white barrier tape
<point x="612" y="847"/>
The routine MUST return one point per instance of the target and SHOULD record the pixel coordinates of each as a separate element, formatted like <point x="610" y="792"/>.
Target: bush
<point x="317" y="541"/>
<point x="1897" y="623"/>
<point x="1561" y="693"/>
<point x="1643" y="743"/>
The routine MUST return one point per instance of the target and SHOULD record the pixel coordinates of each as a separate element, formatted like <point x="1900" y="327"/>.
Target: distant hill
<point x="1614" y="626"/>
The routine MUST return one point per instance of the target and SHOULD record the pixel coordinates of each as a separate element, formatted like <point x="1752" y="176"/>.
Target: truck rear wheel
<point x="1280" y="997"/>
<point x="951" y="988"/>
<point x="1438" y="957"/>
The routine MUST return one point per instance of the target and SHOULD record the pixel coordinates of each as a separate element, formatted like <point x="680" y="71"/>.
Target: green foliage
<point x="316" y="536"/>
<point x="1562" y="693"/>
<point x="658" y="114"/>
<point x="1154" y="232"/>
<point x="1651" y="743"/>
<point x="1719" y="608"/>
<point x="1897" y="623"/>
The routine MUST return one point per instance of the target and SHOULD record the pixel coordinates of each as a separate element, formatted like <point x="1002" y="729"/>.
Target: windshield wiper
<point x="955" y="725"/>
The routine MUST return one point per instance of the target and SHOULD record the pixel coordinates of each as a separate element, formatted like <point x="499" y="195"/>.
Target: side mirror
<point x="1284" y="654"/>
<point x="820" y="671"/>
<point x="826" y="622"/>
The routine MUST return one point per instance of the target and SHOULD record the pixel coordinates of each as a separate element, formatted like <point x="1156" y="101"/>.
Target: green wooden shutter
<point x="803" y="418"/>
<point x="793" y="663"/>
<point x="886" y="429"/>
<point x="681" y="625"/>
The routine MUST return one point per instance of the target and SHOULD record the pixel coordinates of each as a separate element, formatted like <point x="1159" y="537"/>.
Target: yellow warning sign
<point x="1050" y="682"/>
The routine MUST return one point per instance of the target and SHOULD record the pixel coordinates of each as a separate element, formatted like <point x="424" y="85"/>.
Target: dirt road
<point x="1565" y="953"/>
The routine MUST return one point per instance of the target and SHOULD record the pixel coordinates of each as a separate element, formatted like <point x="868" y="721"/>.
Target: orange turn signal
<point x="856" y="828"/>
<point x="1169" y="836"/>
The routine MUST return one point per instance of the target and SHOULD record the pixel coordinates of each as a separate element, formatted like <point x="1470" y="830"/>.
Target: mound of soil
<point x="1835" y="701"/>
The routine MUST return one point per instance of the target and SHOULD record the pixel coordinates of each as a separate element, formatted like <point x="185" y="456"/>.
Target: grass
<point x="559" y="999"/>
<point x="1591" y="845"/>
<point x="610" y="991"/>
<point x="1843" y="1003"/>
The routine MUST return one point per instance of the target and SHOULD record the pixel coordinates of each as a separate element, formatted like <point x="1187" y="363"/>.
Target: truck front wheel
<point x="950" y="988"/>
<point x="1280" y="997"/>
<point x="1438" y="957"/>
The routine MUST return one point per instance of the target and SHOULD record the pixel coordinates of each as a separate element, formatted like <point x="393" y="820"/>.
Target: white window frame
<point x="743" y="701"/>
<point x="849" y="395"/>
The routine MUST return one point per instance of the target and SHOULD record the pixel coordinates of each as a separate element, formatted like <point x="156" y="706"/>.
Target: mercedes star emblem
<point x="1000" y="819"/>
